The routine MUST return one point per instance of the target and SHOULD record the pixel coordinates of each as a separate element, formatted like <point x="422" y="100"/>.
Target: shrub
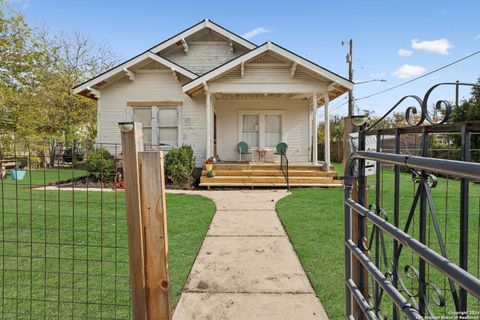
<point x="179" y="166"/>
<point x="67" y="155"/>
<point x="101" y="165"/>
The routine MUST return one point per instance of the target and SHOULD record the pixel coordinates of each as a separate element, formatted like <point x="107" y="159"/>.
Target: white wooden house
<point x="211" y="89"/>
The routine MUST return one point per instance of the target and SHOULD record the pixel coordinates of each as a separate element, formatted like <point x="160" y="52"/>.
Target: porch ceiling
<point x="298" y="96"/>
<point x="294" y="96"/>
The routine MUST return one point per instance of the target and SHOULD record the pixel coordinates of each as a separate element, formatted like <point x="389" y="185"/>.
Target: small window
<point x="160" y="125"/>
<point x="251" y="130"/>
<point x="273" y="130"/>
<point x="144" y="115"/>
<point x="167" y="121"/>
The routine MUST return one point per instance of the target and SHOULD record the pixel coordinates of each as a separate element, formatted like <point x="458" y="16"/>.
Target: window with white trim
<point x="160" y="125"/>
<point x="262" y="129"/>
<point x="251" y="129"/>
<point x="273" y="130"/>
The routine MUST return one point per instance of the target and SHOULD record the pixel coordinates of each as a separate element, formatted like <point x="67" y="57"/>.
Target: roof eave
<point x="120" y="68"/>
<point x="193" y="85"/>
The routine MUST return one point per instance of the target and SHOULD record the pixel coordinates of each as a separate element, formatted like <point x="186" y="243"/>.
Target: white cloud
<point x="405" y="53"/>
<point x="255" y="32"/>
<point x="441" y="46"/>
<point x="407" y="71"/>
<point x="477" y="37"/>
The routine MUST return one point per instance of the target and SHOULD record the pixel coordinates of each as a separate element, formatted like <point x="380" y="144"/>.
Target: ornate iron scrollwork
<point x="422" y="291"/>
<point x="416" y="115"/>
<point x="412" y="274"/>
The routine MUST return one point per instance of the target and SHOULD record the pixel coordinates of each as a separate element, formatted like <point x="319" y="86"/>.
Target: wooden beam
<point x="314" y="129"/>
<point x="326" y="101"/>
<point x="154" y="218"/>
<point x="331" y="86"/>
<point x="130" y="74"/>
<point x="184" y="45"/>
<point x="242" y="69"/>
<point x="95" y="93"/>
<point x="174" y="73"/>
<point x="293" y="69"/>
<point x="132" y="143"/>
<point x="154" y="103"/>
<point x="208" y="114"/>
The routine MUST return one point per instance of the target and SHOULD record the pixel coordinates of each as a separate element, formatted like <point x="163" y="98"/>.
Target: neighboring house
<point x="211" y="89"/>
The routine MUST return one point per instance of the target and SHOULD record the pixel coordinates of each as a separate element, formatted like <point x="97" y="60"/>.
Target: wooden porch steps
<point x="268" y="175"/>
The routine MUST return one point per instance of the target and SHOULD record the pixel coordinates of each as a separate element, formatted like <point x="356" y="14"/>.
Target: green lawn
<point x="64" y="254"/>
<point x="313" y="219"/>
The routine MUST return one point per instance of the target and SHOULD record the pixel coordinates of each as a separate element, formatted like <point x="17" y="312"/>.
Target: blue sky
<point x="431" y="34"/>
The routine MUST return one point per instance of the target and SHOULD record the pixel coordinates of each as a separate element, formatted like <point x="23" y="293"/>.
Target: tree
<point x="468" y="110"/>
<point x="38" y="70"/>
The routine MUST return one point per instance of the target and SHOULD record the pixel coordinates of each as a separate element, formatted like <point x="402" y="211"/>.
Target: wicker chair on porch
<point x="242" y="148"/>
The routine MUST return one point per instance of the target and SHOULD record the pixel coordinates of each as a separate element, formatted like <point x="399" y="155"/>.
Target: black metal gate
<point x="412" y="238"/>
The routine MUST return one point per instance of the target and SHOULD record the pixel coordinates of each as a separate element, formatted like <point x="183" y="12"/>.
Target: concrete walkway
<point x="246" y="267"/>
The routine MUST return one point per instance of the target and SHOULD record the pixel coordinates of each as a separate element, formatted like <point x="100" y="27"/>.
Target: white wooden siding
<point x="295" y="130"/>
<point x="204" y="56"/>
<point x="156" y="85"/>
<point x="266" y="79"/>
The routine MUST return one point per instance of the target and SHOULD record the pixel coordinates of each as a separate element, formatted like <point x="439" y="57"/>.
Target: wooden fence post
<point x="154" y="217"/>
<point x="132" y="143"/>
<point x="147" y="226"/>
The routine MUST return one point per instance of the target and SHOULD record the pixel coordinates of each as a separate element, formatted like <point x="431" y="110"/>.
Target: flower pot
<point x="208" y="166"/>
<point x="17" y="174"/>
<point x="210" y="173"/>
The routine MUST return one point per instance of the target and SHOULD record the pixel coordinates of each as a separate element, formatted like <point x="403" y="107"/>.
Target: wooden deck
<point x="268" y="175"/>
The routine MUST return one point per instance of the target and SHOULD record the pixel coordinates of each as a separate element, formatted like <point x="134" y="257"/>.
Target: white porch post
<point x="314" y="130"/>
<point x="327" y="130"/>
<point x="209" y="125"/>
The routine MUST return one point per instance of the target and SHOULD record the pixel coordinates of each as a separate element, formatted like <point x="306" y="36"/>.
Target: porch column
<point x="327" y="131"/>
<point x="314" y="130"/>
<point x="209" y="125"/>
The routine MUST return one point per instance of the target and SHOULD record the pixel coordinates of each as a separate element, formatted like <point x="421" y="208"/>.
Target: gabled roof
<point x="268" y="46"/>
<point x="199" y="26"/>
<point x="152" y="54"/>
<point x="121" y="68"/>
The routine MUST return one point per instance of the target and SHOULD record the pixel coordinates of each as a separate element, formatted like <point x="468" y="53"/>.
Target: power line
<point x="419" y="77"/>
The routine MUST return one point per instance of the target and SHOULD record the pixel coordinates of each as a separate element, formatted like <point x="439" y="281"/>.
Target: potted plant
<point x="209" y="164"/>
<point x="211" y="173"/>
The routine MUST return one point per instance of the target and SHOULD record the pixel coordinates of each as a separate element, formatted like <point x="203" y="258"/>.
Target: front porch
<point x="269" y="174"/>
<point x="259" y="101"/>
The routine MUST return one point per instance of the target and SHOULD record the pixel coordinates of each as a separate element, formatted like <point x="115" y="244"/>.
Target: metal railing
<point x="425" y="262"/>
<point x="284" y="168"/>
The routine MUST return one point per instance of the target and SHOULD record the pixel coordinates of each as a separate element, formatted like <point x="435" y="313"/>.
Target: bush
<point x="179" y="166"/>
<point x="101" y="165"/>
<point x="67" y="155"/>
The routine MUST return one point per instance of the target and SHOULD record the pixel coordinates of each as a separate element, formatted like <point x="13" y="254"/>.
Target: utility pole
<point x="350" y="77"/>
<point x="348" y="127"/>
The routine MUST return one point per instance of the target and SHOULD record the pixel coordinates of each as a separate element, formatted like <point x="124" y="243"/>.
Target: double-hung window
<point x="261" y="129"/>
<point x="273" y="130"/>
<point x="160" y="125"/>
<point x="251" y="130"/>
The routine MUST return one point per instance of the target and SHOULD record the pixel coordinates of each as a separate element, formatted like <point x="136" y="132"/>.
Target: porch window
<point x="251" y="129"/>
<point x="261" y="130"/>
<point x="273" y="130"/>
<point x="160" y="125"/>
